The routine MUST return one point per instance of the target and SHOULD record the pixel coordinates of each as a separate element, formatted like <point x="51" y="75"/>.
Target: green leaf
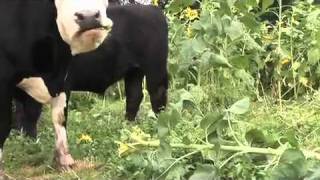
<point x="164" y="150"/>
<point x="186" y="96"/>
<point x="163" y="126"/>
<point x="167" y="121"/>
<point x="313" y="56"/>
<point x="210" y="122"/>
<point x="245" y="77"/>
<point x="231" y="3"/>
<point x="198" y="94"/>
<point x="187" y="52"/>
<point x="205" y="172"/>
<point x="205" y="60"/>
<point x="176" y="172"/>
<point x="250" y="22"/>
<point x="255" y="136"/>
<point x="219" y="60"/>
<point x="292" y="165"/>
<point x="240" y="62"/>
<point x="240" y="107"/>
<point x="292" y="155"/>
<point x="252" y="44"/>
<point x="173" y="68"/>
<point x="290" y="137"/>
<point x="198" y="45"/>
<point x="177" y="5"/>
<point x="174" y="118"/>
<point x="315" y="175"/>
<point x="266" y="4"/>
<point x="235" y="30"/>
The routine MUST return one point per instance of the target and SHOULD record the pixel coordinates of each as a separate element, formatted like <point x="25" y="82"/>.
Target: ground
<point x="96" y="122"/>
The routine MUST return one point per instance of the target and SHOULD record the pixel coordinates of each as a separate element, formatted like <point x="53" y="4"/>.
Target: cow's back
<point x="25" y="24"/>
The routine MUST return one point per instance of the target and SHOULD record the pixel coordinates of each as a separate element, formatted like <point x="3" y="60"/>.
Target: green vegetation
<point x="243" y="104"/>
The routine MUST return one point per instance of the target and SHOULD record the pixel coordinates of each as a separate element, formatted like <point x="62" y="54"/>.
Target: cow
<point x="37" y="41"/>
<point x="136" y="47"/>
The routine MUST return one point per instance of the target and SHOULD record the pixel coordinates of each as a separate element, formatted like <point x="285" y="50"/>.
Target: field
<point x="243" y="104"/>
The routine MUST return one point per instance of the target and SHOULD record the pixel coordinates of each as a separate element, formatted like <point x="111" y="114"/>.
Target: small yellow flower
<point x="85" y="138"/>
<point x="125" y="149"/>
<point x="138" y="135"/>
<point x="285" y="61"/>
<point x="267" y="38"/>
<point x="155" y="2"/>
<point x="191" y="14"/>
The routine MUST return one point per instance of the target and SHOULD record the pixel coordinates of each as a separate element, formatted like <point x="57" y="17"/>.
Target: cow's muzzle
<point x="88" y="20"/>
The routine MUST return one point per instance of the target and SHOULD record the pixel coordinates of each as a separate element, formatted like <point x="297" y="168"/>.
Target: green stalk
<point x="119" y="91"/>
<point x="244" y="149"/>
<point x="292" y="61"/>
<point x="279" y="46"/>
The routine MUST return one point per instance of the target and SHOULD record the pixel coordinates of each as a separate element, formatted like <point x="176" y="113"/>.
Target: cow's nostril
<point x="97" y="15"/>
<point x="79" y="16"/>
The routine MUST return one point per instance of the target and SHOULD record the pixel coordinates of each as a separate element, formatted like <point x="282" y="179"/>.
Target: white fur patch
<point x="69" y="28"/>
<point x="1" y="155"/>
<point x="58" y="104"/>
<point x="2" y="177"/>
<point x="36" y="88"/>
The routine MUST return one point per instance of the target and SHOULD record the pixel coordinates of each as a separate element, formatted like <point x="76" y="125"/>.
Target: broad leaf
<point x="210" y="122"/>
<point x="293" y="165"/>
<point x="163" y="126"/>
<point x="313" y="56"/>
<point x="240" y="107"/>
<point x="266" y="4"/>
<point x="219" y="60"/>
<point x="205" y="172"/>
<point x="177" y="5"/>
<point x="315" y="174"/>
<point x="255" y="136"/>
<point x="235" y="30"/>
<point x="198" y="45"/>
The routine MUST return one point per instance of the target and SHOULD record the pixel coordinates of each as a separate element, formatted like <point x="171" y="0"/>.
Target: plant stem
<point x="279" y="49"/>
<point x="245" y="149"/>
<point x="119" y="91"/>
<point x="292" y="61"/>
<point x="232" y="131"/>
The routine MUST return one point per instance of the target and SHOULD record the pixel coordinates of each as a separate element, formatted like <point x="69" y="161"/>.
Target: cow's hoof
<point x="130" y="117"/>
<point x="64" y="162"/>
<point x="3" y="176"/>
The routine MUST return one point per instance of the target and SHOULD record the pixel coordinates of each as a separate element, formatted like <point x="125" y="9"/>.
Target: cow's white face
<point x="83" y="24"/>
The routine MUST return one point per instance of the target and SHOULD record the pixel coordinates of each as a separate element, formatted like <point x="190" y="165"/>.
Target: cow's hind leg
<point x="5" y="120"/>
<point x="157" y="85"/>
<point x="27" y="113"/>
<point x="32" y="112"/>
<point x="134" y="95"/>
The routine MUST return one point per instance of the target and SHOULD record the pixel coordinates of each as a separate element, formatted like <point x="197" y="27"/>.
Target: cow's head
<point x="83" y="24"/>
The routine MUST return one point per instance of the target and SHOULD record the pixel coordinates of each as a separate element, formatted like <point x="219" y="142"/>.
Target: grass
<point x="103" y="120"/>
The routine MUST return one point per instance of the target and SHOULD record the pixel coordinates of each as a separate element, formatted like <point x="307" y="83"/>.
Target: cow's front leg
<point x="62" y="155"/>
<point x="37" y="89"/>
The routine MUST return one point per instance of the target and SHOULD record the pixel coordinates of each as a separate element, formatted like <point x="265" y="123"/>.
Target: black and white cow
<point x="37" y="39"/>
<point x="136" y="47"/>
